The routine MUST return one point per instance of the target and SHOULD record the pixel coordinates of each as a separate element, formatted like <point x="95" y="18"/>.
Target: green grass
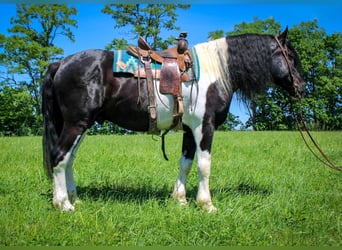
<point x="268" y="188"/>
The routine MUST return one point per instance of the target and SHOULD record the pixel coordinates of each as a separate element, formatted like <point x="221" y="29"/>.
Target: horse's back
<point x="84" y="62"/>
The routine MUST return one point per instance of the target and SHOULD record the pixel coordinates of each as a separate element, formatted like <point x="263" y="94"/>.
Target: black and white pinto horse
<point x="81" y="89"/>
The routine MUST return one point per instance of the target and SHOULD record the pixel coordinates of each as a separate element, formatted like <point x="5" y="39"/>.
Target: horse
<point x="82" y="89"/>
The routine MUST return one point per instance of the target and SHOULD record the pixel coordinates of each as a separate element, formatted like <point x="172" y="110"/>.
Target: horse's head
<point x="286" y="66"/>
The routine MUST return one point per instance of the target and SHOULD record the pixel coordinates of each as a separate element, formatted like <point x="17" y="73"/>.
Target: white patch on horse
<point x="179" y="192"/>
<point x="164" y="105"/>
<point x="70" y="182"/>
<point x="60" y="195"/>
<point x="203" y="167"/>
<point x="194" y="111"/>
<point x="63" y="180"/>
<point x="213" y="58"/>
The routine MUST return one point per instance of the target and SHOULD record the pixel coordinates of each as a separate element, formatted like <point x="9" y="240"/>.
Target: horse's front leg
<point x="204" y="138"/>
<point x="203" y="166"/>
<point x="188" y="153"/>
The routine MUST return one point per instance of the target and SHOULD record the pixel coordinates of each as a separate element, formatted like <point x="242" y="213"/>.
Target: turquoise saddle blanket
<point x="125" y="62"/>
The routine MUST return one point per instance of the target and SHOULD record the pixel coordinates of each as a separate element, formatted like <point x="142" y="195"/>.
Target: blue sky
<point x="95" y="30"/>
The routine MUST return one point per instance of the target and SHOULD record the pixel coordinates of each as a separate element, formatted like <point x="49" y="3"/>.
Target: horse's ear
<point x="283" y="35"/>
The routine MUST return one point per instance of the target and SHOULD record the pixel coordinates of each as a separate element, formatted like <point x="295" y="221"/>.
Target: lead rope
<point x="327" y="161"/>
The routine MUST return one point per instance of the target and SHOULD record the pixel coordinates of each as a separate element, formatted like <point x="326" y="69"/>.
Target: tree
<point x="272" y="111"/>
<point x="16" y="112"/>
<point x="215" y="34"/>
<point x="267" y="26"/>
<point x="117" y="44"/>
<point x="322" y="66"/>
<point x="145" y="20"/>
<point x="29" y="48"/>
<point x="231" y="123"/>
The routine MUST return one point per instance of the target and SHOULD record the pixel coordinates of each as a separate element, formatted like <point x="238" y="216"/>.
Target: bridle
<point x="285" y="53"/>
<point x="301" y="123"/>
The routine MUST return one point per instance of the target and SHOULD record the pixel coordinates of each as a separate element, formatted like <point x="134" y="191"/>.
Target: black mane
<point x="249" y="61"/>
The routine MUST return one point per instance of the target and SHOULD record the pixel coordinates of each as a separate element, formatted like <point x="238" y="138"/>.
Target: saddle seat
<point x="180" y="52"/>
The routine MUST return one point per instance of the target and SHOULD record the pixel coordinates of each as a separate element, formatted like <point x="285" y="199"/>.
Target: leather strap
<point x="153" y="129"/>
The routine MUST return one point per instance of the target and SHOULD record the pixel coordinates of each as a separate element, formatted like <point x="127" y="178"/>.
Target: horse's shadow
<point x="123" y="193"/>
<point x="244" y="189"/>
<point x="142" y="193"/>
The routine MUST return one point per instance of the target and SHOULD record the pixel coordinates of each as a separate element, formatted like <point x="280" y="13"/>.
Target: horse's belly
<point x="165" y="105"/>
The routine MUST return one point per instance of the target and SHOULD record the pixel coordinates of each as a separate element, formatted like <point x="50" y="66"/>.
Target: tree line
<point x="31" y="44"/>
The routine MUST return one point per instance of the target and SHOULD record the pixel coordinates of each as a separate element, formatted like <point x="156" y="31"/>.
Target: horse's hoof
<point x="208" y="207"/>
<point x="77" y="201"/>
<point x="211" y="209"/>
<point x="68" y="208"/>
<point x="64" y="206"/>
<point x="180" y="199"/>
<point x="183" y="203"/>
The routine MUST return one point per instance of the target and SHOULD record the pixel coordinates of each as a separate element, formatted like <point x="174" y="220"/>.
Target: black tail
<point x="52" y="118"/>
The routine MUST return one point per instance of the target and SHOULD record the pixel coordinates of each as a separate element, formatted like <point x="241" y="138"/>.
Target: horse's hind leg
<point x="188" y="153"/>
<point x="63" y="180"/>
<point x="70" y="182"/>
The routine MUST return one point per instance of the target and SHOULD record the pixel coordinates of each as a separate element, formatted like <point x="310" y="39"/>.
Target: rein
<point x="327" y="160"/>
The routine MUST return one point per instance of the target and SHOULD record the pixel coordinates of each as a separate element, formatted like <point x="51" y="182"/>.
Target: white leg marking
<point x="203" y="167"/>
<point x="179" y="192"/>
<point x="63" y="180"/>
<point x="60" y="195"/>
<point x="70" y="182"/>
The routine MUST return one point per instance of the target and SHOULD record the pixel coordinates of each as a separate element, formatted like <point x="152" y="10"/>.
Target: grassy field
<point x="268" y="188"/>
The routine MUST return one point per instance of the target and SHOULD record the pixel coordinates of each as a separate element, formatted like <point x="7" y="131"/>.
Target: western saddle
<point x="175" y="63"/>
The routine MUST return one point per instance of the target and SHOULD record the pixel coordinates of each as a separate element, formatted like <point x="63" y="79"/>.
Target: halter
<point x="327" y="161"/>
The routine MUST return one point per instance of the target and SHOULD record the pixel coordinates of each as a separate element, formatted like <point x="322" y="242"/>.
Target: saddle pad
<point x="125" y="62"/>
<point x="195" y="73"/>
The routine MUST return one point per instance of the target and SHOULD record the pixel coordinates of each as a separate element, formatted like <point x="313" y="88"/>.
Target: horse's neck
<point x="249" y="63"/>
